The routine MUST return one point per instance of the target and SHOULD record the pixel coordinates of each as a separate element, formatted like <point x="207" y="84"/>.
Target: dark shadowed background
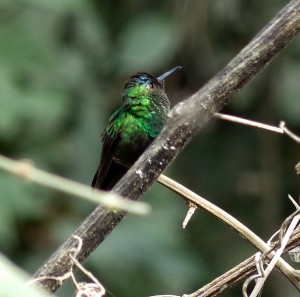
<point x="63" y="64"/>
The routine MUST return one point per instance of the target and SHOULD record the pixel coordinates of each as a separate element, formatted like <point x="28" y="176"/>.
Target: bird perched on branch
<point x="132" y="127"/>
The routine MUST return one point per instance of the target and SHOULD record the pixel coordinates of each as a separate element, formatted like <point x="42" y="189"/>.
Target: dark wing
<point x="109" y="146"/>
<point x="109" y="172"/>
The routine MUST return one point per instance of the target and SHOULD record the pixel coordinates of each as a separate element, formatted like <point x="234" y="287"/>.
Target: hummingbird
<point x="132" y="127"/>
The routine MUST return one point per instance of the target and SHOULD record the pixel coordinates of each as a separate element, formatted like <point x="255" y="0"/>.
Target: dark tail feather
<point x="112" y="176"/>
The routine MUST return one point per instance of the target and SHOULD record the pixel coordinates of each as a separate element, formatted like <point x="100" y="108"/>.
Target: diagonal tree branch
<point x="184" y="121"/>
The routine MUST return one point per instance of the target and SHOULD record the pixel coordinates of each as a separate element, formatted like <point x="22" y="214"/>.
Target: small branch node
<point x="191" y="211"/>
<point x="288" y="132"/>
<point x="24" y="168"/>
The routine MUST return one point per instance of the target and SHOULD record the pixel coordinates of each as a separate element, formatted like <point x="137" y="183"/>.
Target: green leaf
<point x="13" y="280"/>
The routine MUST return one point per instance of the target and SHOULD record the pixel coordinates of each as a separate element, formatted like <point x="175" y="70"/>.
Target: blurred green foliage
<point x="12" y="280"/>
<point x="62" y="67"/>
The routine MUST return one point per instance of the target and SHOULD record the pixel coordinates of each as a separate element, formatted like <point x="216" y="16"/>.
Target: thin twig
<point x="282" y="129"/>
<point x="225" y="217"/>
<point x="276" y="257"/>
<point x="284" y="236"/>
<point x="26" y="170"/>
<point x="294" y="202"/>
<point x="284" y="233"/>
<point x="191" y="210"/>
<point x="240" y="272"/>
<point x="242" y="121"/>
<point x="85" y="271"/>
<point x="259" y="269"/>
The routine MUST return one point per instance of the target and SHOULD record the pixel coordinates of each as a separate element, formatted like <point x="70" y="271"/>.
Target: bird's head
<point x="143" y="84"/>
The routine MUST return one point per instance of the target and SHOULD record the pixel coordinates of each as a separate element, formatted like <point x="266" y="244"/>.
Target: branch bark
<point x="185" y="119"/>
